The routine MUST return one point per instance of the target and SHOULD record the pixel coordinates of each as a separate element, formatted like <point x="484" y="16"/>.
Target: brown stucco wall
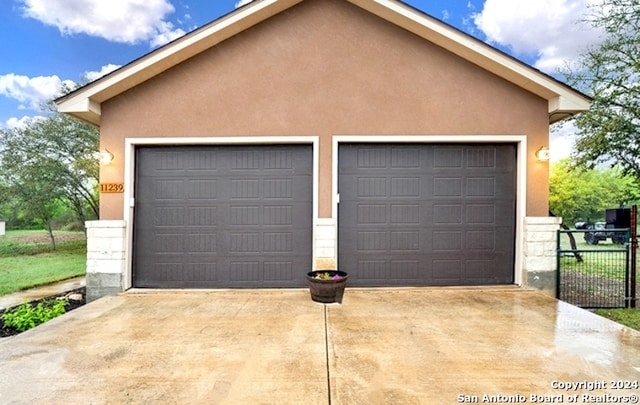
<point x="325" y="68"/>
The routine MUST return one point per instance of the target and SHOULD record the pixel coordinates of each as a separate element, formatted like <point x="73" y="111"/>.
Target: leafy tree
<point x="584" y="194"/>
<point x="50" y="161"/>
<point x="610" y="131"/>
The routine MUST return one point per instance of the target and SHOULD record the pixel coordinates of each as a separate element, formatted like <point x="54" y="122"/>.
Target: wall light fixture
<point x="106" y="157"/>
<point x="543" y="154"/>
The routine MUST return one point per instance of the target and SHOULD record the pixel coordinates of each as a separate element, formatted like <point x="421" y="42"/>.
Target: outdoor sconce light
<point x="543" y="154"/>
<point x="105" y="157"/>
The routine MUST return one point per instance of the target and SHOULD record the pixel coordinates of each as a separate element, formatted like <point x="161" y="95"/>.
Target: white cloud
<point x="31" y="92"/>
<point x="166" y="34"/>
<point x="124" y="21"/>
<point x="14" y="122"/>
<point x="106" y="69"/>
<point x="549" y="30"/>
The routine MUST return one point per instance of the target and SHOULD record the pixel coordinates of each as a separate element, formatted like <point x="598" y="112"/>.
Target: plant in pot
<point x="327" y="286"/>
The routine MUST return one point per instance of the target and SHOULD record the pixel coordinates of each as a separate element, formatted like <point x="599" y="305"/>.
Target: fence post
<point x="634" y="250"/>
<point x="558" y="247"/>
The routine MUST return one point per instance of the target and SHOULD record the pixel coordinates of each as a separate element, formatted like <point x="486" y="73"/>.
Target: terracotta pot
<point x="327" y="291"/>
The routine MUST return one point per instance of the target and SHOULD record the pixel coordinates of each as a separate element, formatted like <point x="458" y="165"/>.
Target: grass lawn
<point x="598" y="262"/>
<point x="627" y="316"/>
<point x="27" y="259"/>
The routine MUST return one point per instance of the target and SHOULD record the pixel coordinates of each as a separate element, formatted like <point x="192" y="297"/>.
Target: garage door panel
<point x="223" y="216"/>
<point x="446" y="270"/>
<point x="426" y="214"/>
<point x="178" y="273"/>
<point x="377" y="272"/>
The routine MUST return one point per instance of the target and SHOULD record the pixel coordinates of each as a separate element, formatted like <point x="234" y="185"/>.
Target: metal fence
<point x="594" y="275"/>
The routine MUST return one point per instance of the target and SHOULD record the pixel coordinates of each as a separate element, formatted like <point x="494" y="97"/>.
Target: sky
<point x="47" y="43"/>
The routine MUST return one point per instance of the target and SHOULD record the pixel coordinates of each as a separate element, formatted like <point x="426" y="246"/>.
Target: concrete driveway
<point x="381" y="346"/>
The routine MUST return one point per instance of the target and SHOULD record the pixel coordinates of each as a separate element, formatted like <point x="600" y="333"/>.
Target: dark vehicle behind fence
<point x="616" y="219"/>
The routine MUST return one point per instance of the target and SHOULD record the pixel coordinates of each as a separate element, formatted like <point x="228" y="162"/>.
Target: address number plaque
<point x="112" y="187"/>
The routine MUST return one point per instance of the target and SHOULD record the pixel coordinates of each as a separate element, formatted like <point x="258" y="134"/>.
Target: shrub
<point x="26" y="316"/>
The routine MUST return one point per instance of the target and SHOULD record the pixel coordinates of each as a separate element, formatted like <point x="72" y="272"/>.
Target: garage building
<point x="293" y="135"/>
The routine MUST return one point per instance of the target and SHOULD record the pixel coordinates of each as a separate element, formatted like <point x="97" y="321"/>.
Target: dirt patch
<point x="6" y="331"/>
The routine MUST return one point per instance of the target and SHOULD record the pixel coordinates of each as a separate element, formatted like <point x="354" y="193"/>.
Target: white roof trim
<point x="85" y="102"/>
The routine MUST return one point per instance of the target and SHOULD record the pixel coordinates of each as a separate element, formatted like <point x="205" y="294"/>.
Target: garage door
<point x="427" y="214"/>
<point x="222" y="216"/>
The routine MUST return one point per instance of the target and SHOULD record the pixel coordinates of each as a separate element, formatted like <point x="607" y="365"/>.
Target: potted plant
<point x="327" y="286"/>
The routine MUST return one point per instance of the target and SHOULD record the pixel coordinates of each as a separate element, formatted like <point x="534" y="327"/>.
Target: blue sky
<point x="48" y="42"/>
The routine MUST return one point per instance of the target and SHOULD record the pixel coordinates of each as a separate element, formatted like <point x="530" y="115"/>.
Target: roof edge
<point x="76" y="103"/>
<point x="564" y="101"/>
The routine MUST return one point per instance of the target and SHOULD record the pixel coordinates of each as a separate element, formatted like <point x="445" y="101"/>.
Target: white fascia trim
<point x="176" y="52"/>
<point x="473" y="50"/>
<point x="80" y="105"/>
<point x="171" y="49"/>
<point x="129" y="176"/>
<point x="397" y="13"/>
<point x="521" y="176"/>
<point x="560" y="104"/>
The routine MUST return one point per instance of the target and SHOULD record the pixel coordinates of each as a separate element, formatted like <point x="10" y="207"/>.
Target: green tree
<point x="609" y="132"/>
<point x="49" y="162"/>
<point x="578" y="194"/>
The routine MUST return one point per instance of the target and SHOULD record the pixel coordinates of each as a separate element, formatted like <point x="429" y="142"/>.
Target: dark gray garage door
<point x="222" y="216"/>
<point x="427" y="214"/>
